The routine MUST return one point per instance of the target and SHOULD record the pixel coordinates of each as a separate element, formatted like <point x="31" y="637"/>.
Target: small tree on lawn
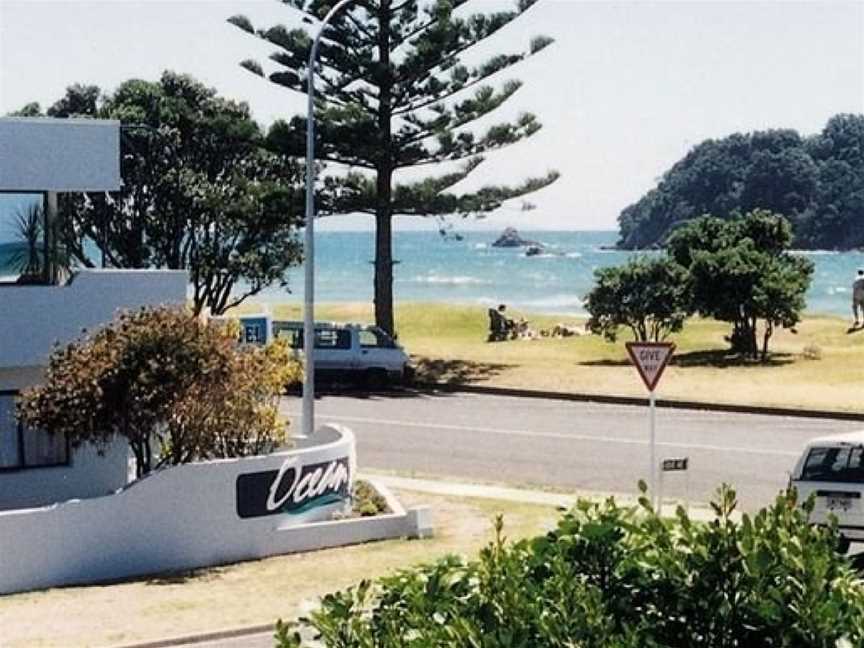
<point x="175" y="388"/>
<point x="741" y="272"/>
<point x="648" y="296"/>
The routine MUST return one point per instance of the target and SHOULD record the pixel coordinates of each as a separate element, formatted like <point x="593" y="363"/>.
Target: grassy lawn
<point x="449" y="344"/>
<point x="249" y="593"/>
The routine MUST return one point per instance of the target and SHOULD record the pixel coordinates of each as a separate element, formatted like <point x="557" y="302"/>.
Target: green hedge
<point x="610" y="576"/>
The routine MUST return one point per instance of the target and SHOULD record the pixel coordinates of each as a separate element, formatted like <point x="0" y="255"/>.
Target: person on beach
<point x="858" y="297"/>
<point x="509" y="324"/>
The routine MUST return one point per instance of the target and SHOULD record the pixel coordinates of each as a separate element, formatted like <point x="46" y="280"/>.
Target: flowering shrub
<point x="178" y="389"/>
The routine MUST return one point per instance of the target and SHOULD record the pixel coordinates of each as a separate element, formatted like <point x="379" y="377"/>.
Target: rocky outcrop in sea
<point x="510" y="238"/>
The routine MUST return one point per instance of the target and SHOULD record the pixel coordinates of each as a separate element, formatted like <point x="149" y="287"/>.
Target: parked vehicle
<point x="357" y="351"/>
<point x="342" y="351"/>
<point x="832" y="469"/>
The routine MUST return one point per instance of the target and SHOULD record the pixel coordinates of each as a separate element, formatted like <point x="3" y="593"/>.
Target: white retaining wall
<point x="33" y="318"/>
<point x="179" y="518"/>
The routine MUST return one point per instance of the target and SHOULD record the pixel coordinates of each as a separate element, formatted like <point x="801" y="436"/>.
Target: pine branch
<point x="485" y="200"/>
<point x="484" y="101"/>
<point x="464" y="145"/>
<point x="449" y="39"/>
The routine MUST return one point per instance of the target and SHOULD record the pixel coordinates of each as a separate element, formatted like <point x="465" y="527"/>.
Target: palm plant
<point x="28" y="259"/>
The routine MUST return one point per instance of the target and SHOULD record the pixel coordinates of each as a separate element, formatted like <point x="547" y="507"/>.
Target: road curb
<point x="204" y="637"/>
<point x="636" y="401"/>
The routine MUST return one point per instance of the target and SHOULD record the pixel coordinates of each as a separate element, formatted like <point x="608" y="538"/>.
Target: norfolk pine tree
<point x="393" y="94"/>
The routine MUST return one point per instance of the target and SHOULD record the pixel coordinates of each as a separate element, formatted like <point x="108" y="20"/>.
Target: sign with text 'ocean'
<point x="293" y="488"/>
<point x="650" y="359"/>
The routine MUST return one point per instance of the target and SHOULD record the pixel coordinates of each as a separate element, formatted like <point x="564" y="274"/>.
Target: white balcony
<point x="33" y="318"/>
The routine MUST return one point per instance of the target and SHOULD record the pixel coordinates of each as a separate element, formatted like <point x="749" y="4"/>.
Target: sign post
<point x="674" y="464"/>
<point x="650" y="359"/>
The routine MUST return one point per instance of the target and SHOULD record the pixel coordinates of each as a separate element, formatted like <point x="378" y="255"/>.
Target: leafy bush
<point x="617" y="577"/>
<point x="648" y="296"/>
<point x="176" y="388"/>
<point x="367" y="501"/>
<point x="741" y="271"/>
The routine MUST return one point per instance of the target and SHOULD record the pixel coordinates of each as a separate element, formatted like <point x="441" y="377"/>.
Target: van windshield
<point x="842" y="464"/>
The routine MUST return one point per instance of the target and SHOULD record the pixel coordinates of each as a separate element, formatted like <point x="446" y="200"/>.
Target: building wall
<point x="88" y="474"/>
<point x="35" y="318"/>
<point x="178" y="518"/>
<point x="43" y="154"/>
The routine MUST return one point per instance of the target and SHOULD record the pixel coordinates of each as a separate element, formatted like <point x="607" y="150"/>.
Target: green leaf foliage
<point x="200" y="191"/>
<point x="740" y="271"/>
<point x="394" y="91"/>
<point x="650" y="296"/>
<point x="615" y="577"/>
<point x="817" y="182"/>
<point x="176" y="388"/>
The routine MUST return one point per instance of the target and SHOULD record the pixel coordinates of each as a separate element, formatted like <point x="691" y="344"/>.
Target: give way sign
<point x="650" y="359"/>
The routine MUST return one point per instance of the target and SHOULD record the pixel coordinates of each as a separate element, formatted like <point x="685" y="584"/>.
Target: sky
<point x="626" y="90"/>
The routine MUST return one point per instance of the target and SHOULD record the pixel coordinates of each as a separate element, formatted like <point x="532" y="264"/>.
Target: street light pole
<point x="309" y="240"/>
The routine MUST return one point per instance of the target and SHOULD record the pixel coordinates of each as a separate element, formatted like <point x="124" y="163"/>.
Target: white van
<point x="832" y="469"/>
<point x="350" y="351"/>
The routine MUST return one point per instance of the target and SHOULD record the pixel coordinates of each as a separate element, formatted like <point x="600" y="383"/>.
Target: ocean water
<point x="471" y="271"/>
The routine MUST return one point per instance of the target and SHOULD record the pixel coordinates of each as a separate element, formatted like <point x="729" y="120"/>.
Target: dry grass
<point x="821" y="367"/>
<point x="249" y="593"/>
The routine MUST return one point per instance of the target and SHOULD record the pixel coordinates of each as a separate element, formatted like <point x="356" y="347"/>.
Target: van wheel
<point x="843" y="545"/>
<point x="376" y="379"/>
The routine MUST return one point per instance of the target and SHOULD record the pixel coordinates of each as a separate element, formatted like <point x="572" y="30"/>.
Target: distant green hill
<point x="817" y="182"/>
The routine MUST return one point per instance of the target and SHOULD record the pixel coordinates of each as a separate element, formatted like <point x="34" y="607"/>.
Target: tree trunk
<point x="384" y="266"/>
<point x="769" y="330"/>
<point x="754" y="344"/>
<point x="384" y="183"/>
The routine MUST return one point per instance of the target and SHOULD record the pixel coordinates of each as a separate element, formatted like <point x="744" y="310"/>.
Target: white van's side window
<point x="374" y="338"/>
<point x="843" y="464"/>
<point x="332" y="339"/>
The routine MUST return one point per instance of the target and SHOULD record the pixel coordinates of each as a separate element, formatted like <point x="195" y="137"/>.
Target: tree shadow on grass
<point x="716" y="358"/>
<point x="723" y="358"/>
<point x="428" y="372"/>
<point x="455" y="372"/>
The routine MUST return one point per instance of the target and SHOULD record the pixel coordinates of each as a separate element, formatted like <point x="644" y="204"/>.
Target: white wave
<point x="480" y="246"/>
<point x="815" y="252"/>
<point x="443" y="280"/>
<point x="573" y="255"/>
<point x="838" y="290"/>
<point x="555" y="302"/>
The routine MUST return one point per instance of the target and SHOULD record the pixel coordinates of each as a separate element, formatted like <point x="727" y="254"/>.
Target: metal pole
<point x="653" y="472"/>
<point x="309" y="238"/>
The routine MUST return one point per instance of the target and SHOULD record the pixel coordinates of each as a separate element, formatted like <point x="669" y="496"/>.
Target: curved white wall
<point x="179" y="518"/>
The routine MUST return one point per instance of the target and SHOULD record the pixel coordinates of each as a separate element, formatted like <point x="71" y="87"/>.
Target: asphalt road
<point x="583" y="446"/>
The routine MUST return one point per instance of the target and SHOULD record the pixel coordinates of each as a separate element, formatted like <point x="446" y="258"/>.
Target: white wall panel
<point x="43" y="154"/>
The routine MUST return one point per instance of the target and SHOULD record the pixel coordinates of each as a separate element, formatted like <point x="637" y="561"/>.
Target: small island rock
<point x="510" y="238"/>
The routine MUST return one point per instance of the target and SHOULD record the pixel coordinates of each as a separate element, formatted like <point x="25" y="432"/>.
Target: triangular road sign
<point x="650" y="359"/>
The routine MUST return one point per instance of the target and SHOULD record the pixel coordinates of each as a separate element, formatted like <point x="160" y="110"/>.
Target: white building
<point x="38" y="159"/>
